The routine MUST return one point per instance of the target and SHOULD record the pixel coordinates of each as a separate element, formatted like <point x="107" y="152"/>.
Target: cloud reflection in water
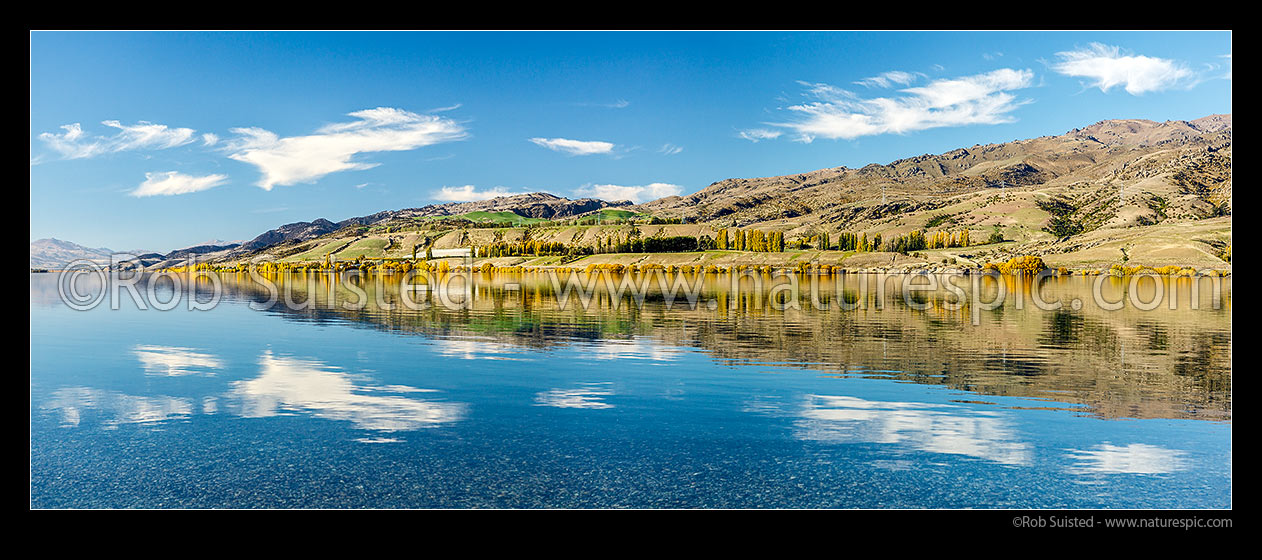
<point x="589" y="395"/>
<point x="1136" y="458"/>
<point x="297" y="385"/>
<point x="174" y="361"/>
<point x="120" y="408"/>
<point x="921" y="426"/>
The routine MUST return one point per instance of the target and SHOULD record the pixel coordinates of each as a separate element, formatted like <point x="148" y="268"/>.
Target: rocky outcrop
<point x="298" y="231"/>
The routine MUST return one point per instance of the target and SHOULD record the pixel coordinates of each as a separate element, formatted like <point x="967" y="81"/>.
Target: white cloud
<point x="888" y="79"/>
<point x="306" y="159"/>
<point x="74" y="143"/>
<point x="469" y="192"/>
<point x="756" y="134"/>
<point x="174" y="182"/>
<point x="670" y="149"/>
<point x="445" y="109"/>
<point x="574" y="147"/>
<point x="837" y="113"/>
<point x="1107" y="67"/>
<point x="636" y="194"/>
<point x="210" y="139"/>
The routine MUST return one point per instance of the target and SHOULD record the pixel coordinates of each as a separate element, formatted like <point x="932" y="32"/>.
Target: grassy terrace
<point x="509" y="219"/>
<point x="318" y="252"/>
<point x="370" y="247"/>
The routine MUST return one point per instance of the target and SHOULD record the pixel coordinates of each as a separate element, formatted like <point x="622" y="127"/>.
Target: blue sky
<point x="160" y="140"/>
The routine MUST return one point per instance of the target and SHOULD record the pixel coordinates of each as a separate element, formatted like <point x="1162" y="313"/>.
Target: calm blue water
<point x="241" y="408"/>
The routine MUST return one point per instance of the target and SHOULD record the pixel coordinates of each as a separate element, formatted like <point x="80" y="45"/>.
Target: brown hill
<point x="1109" y="154"/>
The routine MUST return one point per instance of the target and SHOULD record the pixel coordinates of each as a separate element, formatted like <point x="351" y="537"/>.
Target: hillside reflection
<point x="1172" y="361"/>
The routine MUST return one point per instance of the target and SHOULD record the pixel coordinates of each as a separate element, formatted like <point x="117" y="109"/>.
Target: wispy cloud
<point x="574" y="147"/>
<point x="174" y="182"/>
<point x="445" y="109"/>
<point x="670" y="149"/>
<point x="757" y="134"/>
<point x="1106" y="67"/>
<point x="838" y="113"/>
<point x="619" y="104"/>
<point x="210" y="139"/>
<point x="74" y="143"/>
<point x="890" y="79"/>
<point x="306" y="159"/>
<point x="467" y="193"/>
<point x="636" y="194"/>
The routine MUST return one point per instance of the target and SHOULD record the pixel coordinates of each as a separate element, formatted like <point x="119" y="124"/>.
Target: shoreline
<point x="644" y="263"/>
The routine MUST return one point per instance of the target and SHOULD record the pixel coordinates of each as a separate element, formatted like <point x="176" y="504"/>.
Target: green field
<point x="498" y="218"/>
<point x="619" y="214"/>
<point x="370" y="247"/>
<point x="616" y="214"/>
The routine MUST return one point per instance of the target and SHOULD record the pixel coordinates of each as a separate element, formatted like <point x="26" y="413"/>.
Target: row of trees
<point x="527" y="248"/>
<point x="738" y="240"/>
<point x="633" y="243"/>
<point x="947" y="240"/>
<point x="751" y="240"/>
<point x="755" y="240"/>
<point x="908" y="242"/>
<point x="847" y="241"/>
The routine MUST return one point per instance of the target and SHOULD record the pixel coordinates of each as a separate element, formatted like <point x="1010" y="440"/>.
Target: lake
<point x="506" y="390"/>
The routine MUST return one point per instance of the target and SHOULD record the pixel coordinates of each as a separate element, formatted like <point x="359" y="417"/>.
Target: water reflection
<point x="1172" y="361"/>
<point x="296" y="385"/>
<point x="475" y="348"/>
<point x="73" y="403"/>
<point x="589" y="395"/>
<point x="838" y="396"/>
<point x="1135" y="458"/>
<point x="640" y="348"/>
<point x="173" y="361"/>
<point x="919" y="426"/>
